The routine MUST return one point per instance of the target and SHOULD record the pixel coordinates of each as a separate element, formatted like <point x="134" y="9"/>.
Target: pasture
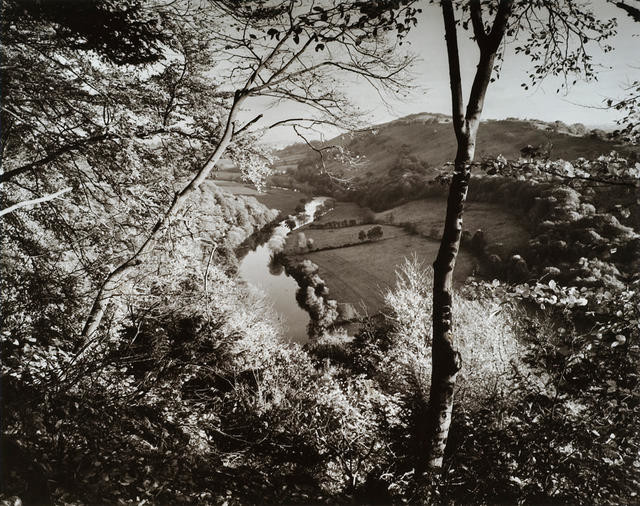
<point x="498" y="225"/>
<point x="361" y="274"/>
<point x="284" y="200"/>
<point x="338" y="237"/>
<point x="345" y="211"/>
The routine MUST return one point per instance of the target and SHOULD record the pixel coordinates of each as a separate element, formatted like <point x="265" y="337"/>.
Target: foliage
<point x="610" y="169"/>
<point x="375" y="233"/>
<point x="578" y="426"/>
<point x="124" y="32"/>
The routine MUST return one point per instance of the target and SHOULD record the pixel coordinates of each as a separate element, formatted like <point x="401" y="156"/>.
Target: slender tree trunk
<point x="445" y="358"/>
<point x="109" y="286"/>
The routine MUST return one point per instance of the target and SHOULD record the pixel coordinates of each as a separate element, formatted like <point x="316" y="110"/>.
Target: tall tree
<point x="288" y="51"/>
<point x="557" y="34"/>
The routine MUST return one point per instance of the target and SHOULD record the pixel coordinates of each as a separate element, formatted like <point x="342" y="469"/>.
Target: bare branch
<point x="33" y="202"/>
<point x="454" y="67"/>
<point x="239" y="131"/>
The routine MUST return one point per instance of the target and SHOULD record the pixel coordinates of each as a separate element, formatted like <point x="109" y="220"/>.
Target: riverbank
<point x="260" y="269"/>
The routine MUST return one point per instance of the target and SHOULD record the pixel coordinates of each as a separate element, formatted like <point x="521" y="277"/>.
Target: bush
<point x="375" y="233"/>
<point x="478" y="243"/>
<point x="410" y="227"/>
<point x="485" y="336"/>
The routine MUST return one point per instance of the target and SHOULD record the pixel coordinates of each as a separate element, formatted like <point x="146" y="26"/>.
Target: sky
<point x="581" y="103"/>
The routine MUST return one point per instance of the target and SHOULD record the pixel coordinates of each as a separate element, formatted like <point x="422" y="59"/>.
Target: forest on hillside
<point x="498" y="364"/>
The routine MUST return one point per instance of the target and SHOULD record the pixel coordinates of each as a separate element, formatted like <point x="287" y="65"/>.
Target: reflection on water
<point x="258" y="269"/>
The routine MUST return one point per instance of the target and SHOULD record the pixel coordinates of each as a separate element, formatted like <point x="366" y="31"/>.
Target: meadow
<point x="360" y="274"/>
<point x="499" y="225"/>
<point x="282" y="199"/>
<point x="338" y="237"/>
<point x="344" y="211"/>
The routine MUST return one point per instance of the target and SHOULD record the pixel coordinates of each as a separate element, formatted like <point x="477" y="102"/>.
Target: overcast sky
<point x="505" y="97"/>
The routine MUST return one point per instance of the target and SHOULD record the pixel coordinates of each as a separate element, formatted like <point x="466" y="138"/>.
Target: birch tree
<point x="557" y="36"/>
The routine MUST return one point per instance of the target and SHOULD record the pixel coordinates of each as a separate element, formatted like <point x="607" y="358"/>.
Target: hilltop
<point x="426" y="140"/>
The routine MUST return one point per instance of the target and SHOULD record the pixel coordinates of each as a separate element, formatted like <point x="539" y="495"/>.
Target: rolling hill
<point x="427" y="140"/>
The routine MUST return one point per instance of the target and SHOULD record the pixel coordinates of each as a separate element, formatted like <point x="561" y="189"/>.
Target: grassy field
<point x="498" y="225"/>
<point x="345" y="211"/>
<point x="281" y="199"/>
<point x="227" y="175"/>
<point x="361" y="274"/>
<point x="335" y="238"/>
<point x="236" y="188"/>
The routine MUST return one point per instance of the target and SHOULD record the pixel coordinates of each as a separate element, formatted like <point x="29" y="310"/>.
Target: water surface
<point x="257" y="269"/>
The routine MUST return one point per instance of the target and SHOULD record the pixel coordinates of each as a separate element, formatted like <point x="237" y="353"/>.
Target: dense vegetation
<point x="186" y="392"/>
<point x="567" y="430"/>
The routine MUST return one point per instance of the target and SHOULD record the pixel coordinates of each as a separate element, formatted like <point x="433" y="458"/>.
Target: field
<point x="236" y="188"/>
<point x="361" y="274"/>
<point x="227" y="175"/>
<point x="498" y="225"/>
<point x="345" y="211"/>
<point x="336" y="238"/>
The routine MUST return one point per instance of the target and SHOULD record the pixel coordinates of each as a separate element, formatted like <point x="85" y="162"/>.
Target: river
<point x="257" y="269"/>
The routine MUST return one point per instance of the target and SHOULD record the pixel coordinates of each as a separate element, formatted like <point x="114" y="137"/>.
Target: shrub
<point x="485" y="336"/>
<point x="375" y="233"/>
<point x="478" y="242"/>
<point x="410" y="227"/>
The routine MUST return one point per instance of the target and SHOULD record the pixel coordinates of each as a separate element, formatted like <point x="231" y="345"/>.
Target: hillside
<point x="426" y="140"/>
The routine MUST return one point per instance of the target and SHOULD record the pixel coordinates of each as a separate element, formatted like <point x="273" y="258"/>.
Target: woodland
<point x="138" y="367"/>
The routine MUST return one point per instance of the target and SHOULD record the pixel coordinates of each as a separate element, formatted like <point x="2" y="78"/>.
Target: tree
<point x="630" y="104"/>
<point x="125" y="33"/>
<point x="558" y="33"/>
<point x="280" y="52"/>
<point x="375" y="233"/>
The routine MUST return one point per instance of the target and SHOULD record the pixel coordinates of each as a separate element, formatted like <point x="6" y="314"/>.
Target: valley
<point x="418" y="309"/>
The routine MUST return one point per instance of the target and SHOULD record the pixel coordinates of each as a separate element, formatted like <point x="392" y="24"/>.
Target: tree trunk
<point x="445" y="359"/>
<point x="109" y="286"/>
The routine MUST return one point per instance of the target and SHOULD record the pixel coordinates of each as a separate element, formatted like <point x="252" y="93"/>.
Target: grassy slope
<point x="283" y="200"/>
<point x="499" y="225"/>
<point x="435" y="142"/>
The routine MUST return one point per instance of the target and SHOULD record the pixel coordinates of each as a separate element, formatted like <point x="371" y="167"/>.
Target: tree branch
<point x="33" y="202"/>
<point x="257" y="118"/>
<point x="505" y="8"/>
<point x="475" y="8"/>
<point x="485" y="65"/>
<point x="6" y="176"/>
<point x="454" y="67"/>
